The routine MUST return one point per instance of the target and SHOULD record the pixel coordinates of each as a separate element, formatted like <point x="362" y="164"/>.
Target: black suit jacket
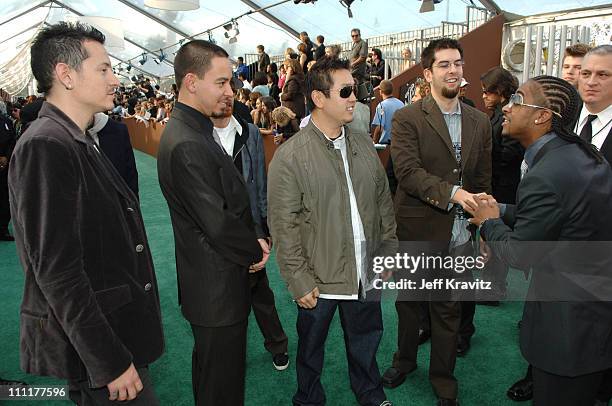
<point x="114" y="140"/>
<point x="507" y="156"/>
<point x="214" y="233"/>
<point x="606" y="147"/>
<point x="90" y="304"/>
<point x="565" y="196"/>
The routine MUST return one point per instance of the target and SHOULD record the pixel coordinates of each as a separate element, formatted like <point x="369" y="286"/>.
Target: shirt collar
<point x="338" y="140"/>
<point x="451" y="113"/>
<point x="603" y="116"/>
<point x="194" y="114"/>
<point x="233" y="124"/>
<point x="533" y="149"/>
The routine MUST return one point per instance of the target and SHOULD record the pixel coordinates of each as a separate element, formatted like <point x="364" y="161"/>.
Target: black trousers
<point x="264" y="308"/>
<point x="5" y="212"/>
<point x="218" y="364"/>
<point x="554" y="390"/>
<point x="81" y="394"/>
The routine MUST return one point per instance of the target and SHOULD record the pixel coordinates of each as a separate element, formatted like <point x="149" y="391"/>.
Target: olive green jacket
<point x="309" y="210"/>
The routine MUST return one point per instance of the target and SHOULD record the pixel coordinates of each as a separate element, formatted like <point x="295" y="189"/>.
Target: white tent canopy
<point x="147" y="30"/>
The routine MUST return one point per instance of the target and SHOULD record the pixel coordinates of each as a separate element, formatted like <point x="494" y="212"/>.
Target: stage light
<point x="143" y="59"/>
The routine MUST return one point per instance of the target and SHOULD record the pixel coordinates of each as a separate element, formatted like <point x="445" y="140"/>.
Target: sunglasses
<point x="517" y="99"/>
<point x="354" y="35"/>
<point x="345" y="92"/>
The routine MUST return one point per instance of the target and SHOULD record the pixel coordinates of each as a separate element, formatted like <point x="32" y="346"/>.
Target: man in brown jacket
<point x="441" y="154"/>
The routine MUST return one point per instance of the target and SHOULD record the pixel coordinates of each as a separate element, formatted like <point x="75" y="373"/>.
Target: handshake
<point x="481" y="206"/>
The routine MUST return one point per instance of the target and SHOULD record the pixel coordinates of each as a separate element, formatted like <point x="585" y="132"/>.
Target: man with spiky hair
<point x="572" y="62"/>
<point x="565" y="195"/>
<point x="90" y="312"/>
<point x="329" y="209"/>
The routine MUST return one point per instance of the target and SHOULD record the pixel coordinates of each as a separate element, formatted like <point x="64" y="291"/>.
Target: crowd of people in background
<point x="316" y="92"/>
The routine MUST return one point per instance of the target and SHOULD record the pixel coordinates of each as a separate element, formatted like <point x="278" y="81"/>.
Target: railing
<point x="535" y="45"/>
<point x="392" y="45"/>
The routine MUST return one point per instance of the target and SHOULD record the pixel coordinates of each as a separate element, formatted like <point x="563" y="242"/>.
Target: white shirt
<point x="227" y="135"/>
<point x="356" y="224"/>
<point x="601" y="125"/>
<point x="247" y="85"/>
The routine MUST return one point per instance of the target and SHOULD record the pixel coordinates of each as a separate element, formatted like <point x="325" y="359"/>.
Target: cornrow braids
<point x="561" y="97"/>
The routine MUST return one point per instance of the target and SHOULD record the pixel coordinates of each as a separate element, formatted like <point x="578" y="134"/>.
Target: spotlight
<point x="304" y="1"/>
<point x="231" y="32"/>
<point x="210" y="38"/>
<point x="347" y="4"/>
<point x="428" y="5"/>
<point x="143" y="59"/>
<point x="161" y="57"/>
<point x="129" y="67"/>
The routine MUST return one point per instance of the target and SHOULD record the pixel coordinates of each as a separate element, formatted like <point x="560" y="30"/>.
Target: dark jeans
<point x="82" y="395"/>
<point x="264" y="308"/>
<point x="362" y="326"/>
<point x="219" y="364"/>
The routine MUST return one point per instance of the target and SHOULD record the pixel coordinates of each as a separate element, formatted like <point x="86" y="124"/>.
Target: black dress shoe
<point x="522" y="390"/>
<point x="424" y="336"/>
<point x="463" y="346"/>
<point x="393" y="377"/>
<point x="448" y="402"/>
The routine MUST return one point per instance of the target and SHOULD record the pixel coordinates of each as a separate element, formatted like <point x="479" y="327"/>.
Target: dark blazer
<point x="114" y="140"/>
<point x="606" y="147"/>
<point x="90" y="305"/>
<point x="293" y="95"/>
<point x="214" y="233"/>
<point x="507" y="157"/>
<point x="565" y="196"/>
<point x="426" y="169"/>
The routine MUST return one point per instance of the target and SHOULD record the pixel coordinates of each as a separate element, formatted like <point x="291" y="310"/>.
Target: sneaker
<point x="386" y="403"/>
<point x="280" y="361"/>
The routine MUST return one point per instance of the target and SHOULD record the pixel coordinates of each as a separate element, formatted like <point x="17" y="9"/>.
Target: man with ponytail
<point x="566" y="195"/>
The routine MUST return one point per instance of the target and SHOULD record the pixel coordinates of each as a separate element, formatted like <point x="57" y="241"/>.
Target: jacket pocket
<point x="113" y="298"/>
<point x="45" y="348"/>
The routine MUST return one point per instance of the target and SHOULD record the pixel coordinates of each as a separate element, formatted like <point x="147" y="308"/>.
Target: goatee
<point x="450" y="93"/>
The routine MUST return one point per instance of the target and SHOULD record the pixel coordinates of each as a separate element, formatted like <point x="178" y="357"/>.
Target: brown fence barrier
<point x="146" y="139"/>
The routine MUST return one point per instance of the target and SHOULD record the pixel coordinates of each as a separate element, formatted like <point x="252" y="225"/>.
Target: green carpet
<point x="493" y="363"/>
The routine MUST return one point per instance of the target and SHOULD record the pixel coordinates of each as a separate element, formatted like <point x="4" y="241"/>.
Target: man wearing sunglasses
<point x="441" y="154"/>
<point x="565" y="196"/>
<point x="329" y="207"/>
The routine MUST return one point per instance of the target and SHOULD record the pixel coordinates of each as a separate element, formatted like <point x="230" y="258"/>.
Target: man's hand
<point x="484" y="207"/>
<point x="126" y="387"/>
<point x="463" y="198"/>
<point x="266" y="255"/>
<point x="3" y="162"/>
<point x="309" y="301"/>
